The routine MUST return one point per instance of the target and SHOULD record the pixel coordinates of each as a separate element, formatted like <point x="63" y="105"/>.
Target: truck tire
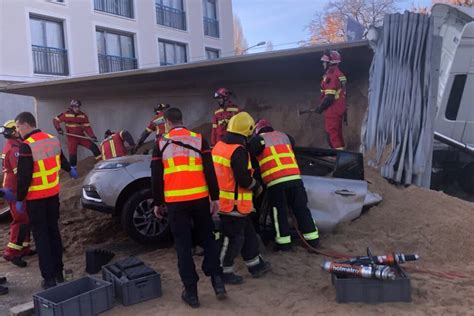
<point x="140" y="223"/>
<point x="466" y="178"/>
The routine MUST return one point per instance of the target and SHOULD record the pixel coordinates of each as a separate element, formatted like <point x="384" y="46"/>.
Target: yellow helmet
<point x="9" y="124"/>
<point x="241" y="123"/>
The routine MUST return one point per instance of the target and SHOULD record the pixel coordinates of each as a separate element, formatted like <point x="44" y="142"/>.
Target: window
<point x="211" y="23"/>
<point x="47" y="42"/>
<point x="171" y="13"/>
<point x="115" y="51"/>
<point x="455" y="97"/>
<point x="212" y="53"/>
<point x="172" y="53"/>
<point x="117" y="7"/>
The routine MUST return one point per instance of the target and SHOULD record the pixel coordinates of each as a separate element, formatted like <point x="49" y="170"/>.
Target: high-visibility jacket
<point x="46" y="151"/>
<point x="76" y="123"/>
<point x="220" y="120"/>
<point x="113" y="146"/>
<point x="10" y="163"/>
<point x="157" y="124"/>
<point x="231" y="196"/>
<point x="183" y="171"/>
<point x="277" y="161"/>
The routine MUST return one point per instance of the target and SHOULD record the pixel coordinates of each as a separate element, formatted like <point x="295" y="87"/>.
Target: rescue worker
<point x="113" y="144"/>
<point x="237" y="187"/>
<point x="222" y="115"/>
<point x="156" y="125"/>
<point x="19" y="242"/>
<point x="77" y="126"/>
<point x="184" y="179"/>
<point x="39" y="164"/>
<point x="282" y="177"/>
<point x="333" y="99"/>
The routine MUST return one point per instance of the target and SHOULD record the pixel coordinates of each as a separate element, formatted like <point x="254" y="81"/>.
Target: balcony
<point x="116" y="7"/>
<point x="108" y="63"/>
<point x="170" y="17"/>
<point x="211" y="27"/>
<point x="50" y="61"/>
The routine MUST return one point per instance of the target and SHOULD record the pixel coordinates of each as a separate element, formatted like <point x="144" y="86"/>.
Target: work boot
<point x="3" y="280"/>
<point x="260" y="269"/>
<point x="219" y="287"/>
<point x="60" y="277"/>
<point x="30" y="253"/>
<point x="232" y="278"/>
<point x="314" y="243"/>
<point x="3" y="290"/>
<point x="283" y="247"/>
<point x="48" y="283"/>
<point x="190" y="296"/>
<point x="18" y="261"/>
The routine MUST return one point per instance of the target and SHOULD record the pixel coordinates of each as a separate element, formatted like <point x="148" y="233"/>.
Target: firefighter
<point x="333" y="99"/>
<point x="184" y="179"/>
<point x="282" y="177"/>
<point x="113" y="144"/>
<point x="237" y="187"/>
<point x="39" y="162"/>
<point x="77" y="125"/>
<point x="19" y="242"/>
<point x="157" y="125"/>
<point x="222" y="115"/>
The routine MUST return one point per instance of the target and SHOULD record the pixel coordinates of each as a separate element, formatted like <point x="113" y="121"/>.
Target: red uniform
<point x="219" y="122"/>
<point x="112" y="147"/>
<point x="333" y="83"/>
<point x="157" y="124"/>
<point x="19" y="242"/>
<point x="77" y="124"/>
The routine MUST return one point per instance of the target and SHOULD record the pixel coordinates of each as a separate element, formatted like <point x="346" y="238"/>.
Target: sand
<point x="436" y="226"/>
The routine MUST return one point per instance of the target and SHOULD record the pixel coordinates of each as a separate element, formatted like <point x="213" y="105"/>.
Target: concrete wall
<point x="276" y="100"/>
<point x="80" y="22"/>
<point x="11" y="105"/>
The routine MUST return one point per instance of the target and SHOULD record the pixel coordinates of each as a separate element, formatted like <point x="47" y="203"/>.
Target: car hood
<point x="126" y="159"/>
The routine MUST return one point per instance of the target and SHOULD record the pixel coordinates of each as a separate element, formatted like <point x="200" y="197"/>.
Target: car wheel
<point x="140" y="222"/>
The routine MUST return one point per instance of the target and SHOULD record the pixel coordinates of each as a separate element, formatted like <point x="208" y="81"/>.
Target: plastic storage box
<point x="83" y="297"/>
<point x="372" y="291"/>
<point x="131" y="291"/>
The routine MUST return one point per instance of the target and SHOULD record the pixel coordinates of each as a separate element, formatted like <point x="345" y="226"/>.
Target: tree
<point x="269" y="46"/>
<point x="329" y="25"/>
<point x="464" y="3"/>
<point x="240" y="43"/>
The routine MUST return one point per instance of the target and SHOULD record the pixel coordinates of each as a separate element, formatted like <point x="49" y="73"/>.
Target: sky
<point x="283" y="21"/>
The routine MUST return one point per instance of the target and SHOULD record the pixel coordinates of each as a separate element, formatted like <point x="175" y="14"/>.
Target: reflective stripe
<point x="225" y="246"/>
<point x="284" y="179"/>
<point x="44" y="186"/>
<point x="231" y="196"/>
<point x="15" y="170"/>
<point x="174" y="169"/>
<point x="221" y="160"/>
<point x="232" y="109"/>
<point x="214" y="125"/>
<point x="221" y="122"/>
<point x="311" y="236"/>
<point x="173" y="193"/>
<point x="330" y="91"/>
<point x="25" y="244"/>
<point x="278" y="239"/>
<point x="342" y="78"/>
<point x="112" y="148"/>
<point x="279" y="168"/>
<point x="86" y="124"/>
<point x="228" y="269"/>
<point x="69" y="115"/>
<point x="149" y="130"/>
<point x="275" y="156"/>
<point x="252" y="262"/>
<point x="14" y="246"/>
<point x="45" y="173"/>
<point x="219" y="111"/>
<point x="72" y="125"/>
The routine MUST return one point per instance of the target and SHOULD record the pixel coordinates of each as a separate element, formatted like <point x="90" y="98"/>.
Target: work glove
<point x="94" y="139"/>
<point x="214" y="207"/>
<point x="73" y="173"/>
<point x="19" y="207"/>
<point x="60" y="131"/>
<point x="8" y="195"/>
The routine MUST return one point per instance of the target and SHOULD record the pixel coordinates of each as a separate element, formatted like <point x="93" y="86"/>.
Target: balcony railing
<point x="50" y="61"/>
<point x="117" y="7"/>
<point x="108" y="63"/>
<point x="211" y="27"/>
<point x="170" y="17"/>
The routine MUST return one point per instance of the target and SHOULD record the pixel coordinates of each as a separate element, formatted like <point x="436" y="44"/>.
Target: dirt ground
<point x="436" y="226"/>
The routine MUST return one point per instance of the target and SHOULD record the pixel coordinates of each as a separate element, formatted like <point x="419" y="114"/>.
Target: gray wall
<point x="11" y="105"/>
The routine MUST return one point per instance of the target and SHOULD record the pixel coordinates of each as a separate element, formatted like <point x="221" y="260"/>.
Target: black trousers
<point x="188" y="220"/>
<point x="44" y="217"/>
<point x="239" y="237"/>
<point x="291" y="194"/>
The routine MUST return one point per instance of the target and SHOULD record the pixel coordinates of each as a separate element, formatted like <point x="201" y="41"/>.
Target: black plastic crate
<point x="87" y="296"/>
<point x="372" y="291"/>
<point x="130" y="292"/>
<point x="129" y="262"/>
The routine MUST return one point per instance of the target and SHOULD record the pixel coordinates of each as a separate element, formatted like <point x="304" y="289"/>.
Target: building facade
<point x="48" y="39"/>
